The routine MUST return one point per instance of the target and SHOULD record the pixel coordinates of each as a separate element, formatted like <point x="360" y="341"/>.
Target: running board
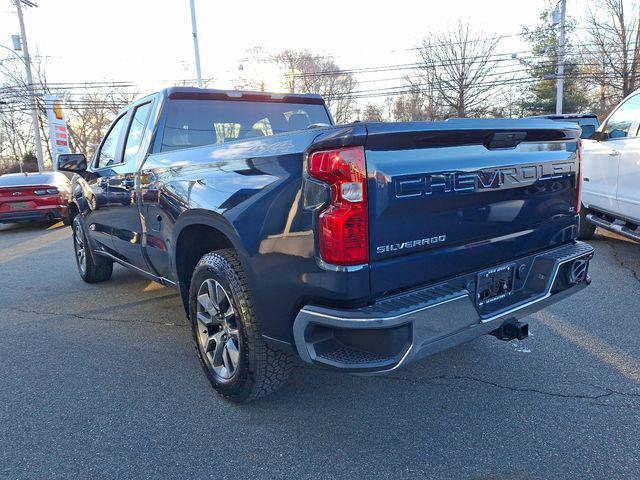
<point x="614" y="227"/>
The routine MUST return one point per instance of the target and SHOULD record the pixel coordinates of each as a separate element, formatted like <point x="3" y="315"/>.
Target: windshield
<point x="193" y="123"/>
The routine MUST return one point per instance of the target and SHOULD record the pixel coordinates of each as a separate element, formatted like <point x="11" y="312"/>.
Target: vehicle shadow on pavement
<point x="25" y="227"/>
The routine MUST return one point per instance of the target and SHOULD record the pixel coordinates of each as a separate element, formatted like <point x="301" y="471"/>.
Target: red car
<point x="26" y="197"/>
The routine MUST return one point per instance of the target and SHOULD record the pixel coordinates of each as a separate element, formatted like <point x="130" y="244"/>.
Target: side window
<point x="109" y="149"/>
<point x="620" y="123"/>
<point x="136" y="131"/>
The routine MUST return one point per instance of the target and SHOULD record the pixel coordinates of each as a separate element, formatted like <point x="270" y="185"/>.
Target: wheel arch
<point x="196" y="233"/>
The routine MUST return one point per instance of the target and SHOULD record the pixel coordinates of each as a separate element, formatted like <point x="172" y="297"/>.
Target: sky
<point x="149" y="42"/>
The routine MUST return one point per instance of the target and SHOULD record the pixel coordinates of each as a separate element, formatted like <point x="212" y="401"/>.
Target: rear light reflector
<point x="53" y="191"/>
<point x="41" y="191"/>
<point x="343" y="226"/>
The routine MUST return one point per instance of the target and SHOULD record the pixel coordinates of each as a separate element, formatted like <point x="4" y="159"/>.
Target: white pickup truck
<point x="611" y="173"/>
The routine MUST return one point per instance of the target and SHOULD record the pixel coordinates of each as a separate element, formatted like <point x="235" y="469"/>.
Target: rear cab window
<point x="194" y="123"/>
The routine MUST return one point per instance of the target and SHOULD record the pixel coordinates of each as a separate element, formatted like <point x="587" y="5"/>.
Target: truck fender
<point x="215" y="221"/>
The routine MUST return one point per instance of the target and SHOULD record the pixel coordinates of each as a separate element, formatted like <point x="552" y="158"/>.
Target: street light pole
<point x="196" y="50"/>
<point x="32" y="96"/>
<point x="560" y="80"/>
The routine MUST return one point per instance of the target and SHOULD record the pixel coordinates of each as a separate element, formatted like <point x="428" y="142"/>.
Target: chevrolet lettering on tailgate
<point x="494" y="179"/>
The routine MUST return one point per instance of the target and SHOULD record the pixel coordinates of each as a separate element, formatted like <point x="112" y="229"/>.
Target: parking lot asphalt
<point x="102" y="381"/>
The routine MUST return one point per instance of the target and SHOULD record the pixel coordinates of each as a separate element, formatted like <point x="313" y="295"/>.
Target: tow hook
<point x="512" y="331"/>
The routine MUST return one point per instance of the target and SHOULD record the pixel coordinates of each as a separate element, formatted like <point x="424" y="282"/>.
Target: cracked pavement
<point x="103" y="381"/>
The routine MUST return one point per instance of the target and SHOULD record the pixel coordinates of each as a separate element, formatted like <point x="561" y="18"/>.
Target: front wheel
<point x="237" y="361"/>
<point x="92" y="270"/>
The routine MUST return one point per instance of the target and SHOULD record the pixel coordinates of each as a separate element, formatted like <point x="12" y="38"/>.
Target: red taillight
<point x="343" y="226"/>
<point x="579" y="179"/>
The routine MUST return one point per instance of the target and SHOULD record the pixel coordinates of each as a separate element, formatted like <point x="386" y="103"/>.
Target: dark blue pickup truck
<point x="359" y="247"/>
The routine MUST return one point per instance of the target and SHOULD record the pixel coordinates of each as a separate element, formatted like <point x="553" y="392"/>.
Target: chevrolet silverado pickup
<point x="360" y="248"/>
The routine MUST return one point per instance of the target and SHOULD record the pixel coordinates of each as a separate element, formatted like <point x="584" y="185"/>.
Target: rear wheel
<point x="92" y="269"/>
<point x="237" y="361"/>
<point x="586" y="229"/>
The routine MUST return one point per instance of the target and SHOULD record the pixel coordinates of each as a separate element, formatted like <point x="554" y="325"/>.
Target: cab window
<point x="136" y="132"/>
<point x="620" y="123"/>
<point x="109" y="148"/>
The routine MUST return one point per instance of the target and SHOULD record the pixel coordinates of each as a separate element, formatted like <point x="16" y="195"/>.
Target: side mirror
<point x="72" y="162"/>
<point x="599" y="136"/>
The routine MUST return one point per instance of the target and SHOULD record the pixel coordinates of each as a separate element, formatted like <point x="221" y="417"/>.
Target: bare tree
<point x="305" y="72"/>
<point x="89" y="112"/>
<point x="457" y="71"/>
<point x="251" y="74"/>
<point x="612" y="50"/>
<point x="15" y="118"/>
<point x="509" y="102"/>
<point x="90" y="115"/>
<point x="372" y="113"/>
<point x="410" y="108"/>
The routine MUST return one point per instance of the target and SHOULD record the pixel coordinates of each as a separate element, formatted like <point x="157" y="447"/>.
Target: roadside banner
<point x="58" y="132"/>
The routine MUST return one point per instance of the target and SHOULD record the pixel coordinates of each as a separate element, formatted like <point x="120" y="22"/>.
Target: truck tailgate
<point x="452" y="197"/>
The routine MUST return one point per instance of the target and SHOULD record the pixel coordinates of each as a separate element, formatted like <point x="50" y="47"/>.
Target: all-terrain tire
<point x="261" y="369"/>
<point x="92" y="268"/>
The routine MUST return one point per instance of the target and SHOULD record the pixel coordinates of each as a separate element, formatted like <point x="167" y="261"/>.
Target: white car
<point x="611" y="173"/>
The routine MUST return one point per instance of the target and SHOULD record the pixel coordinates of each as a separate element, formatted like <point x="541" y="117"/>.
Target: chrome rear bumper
<point x="403" y="328"/>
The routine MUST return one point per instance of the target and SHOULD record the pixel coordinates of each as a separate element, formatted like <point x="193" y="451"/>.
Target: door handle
<point x="127" y="183"/>
<point x="614" y="153"/>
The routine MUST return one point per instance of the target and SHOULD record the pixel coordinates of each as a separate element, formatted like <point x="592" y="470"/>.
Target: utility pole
<point x="560" y="79"/>
<point x="32" y="96"/>
<point x="196" y="50"/>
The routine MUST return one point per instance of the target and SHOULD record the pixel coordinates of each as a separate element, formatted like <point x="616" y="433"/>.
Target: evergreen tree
<point x="541" y="98"/>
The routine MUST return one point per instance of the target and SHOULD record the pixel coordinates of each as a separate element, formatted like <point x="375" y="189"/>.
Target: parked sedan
<point x="26" y="197"/>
